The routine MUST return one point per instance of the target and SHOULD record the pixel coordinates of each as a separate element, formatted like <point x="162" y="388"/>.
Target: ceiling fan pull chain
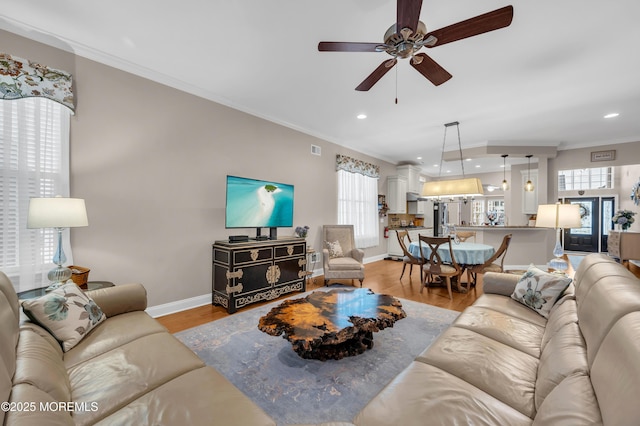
<point x="396" y="85"/>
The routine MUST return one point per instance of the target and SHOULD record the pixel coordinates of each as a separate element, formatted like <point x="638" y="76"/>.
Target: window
<point x="596" y="178"/>
<point x="358" y="206"/>
<point x="34" y="162"/>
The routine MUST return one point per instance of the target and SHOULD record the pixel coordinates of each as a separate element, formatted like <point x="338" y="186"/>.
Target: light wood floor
<point x="381" y="277"/>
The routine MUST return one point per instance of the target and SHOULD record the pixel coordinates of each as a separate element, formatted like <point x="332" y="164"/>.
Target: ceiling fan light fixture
<point x="529" y="185"/>
<point x="505" y="184"/>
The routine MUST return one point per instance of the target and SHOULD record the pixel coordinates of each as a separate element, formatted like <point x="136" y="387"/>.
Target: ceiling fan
<point x="408" y="35"/>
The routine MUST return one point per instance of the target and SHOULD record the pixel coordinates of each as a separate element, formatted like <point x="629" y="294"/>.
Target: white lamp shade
<point x="57" y="212"/>
<point x="453" y="188"/>
<point x="558" y="216"/>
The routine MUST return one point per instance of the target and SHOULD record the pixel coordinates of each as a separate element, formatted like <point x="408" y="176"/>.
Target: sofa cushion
<point x="539" y="290"/>
<point x="52" y="414"/>
<point x="615" y="373"/>
<point x="564" y="355"/>
<point x="114" y="332"/>
<point x="508" y="306"/>
<point x="503" y="372"/>
<point x="511" y="331"/>
<point x="602" y="302"/>
<point x="426" y="395"/>
<point x="572" y="402"/>
<point x="199" y="397"/>
<point x="124" y="374"/>
<point x="9" y="317"/>
<point x="40" y="365"/>
<point x="66" y="312"/>
<point x="562" y="314"/>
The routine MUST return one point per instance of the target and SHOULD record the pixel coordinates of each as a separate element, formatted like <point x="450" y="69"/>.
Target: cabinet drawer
<point x="252" y="255"/>
<point x="289" y="250"/>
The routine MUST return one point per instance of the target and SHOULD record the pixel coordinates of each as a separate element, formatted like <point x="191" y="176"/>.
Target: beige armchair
<point x="341" y="258"/>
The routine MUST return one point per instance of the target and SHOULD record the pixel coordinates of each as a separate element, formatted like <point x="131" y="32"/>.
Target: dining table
<point x="466" y="254"/>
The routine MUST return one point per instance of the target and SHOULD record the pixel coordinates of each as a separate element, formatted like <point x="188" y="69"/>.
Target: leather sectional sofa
<point x="500" y="363"/>
<point x="128" y="371"/>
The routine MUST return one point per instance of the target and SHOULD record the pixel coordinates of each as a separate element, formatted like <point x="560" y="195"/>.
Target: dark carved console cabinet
<point x="253" y="271"/>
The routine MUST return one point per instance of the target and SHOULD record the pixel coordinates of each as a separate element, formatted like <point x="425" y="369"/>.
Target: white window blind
<point x="358" y="206"/>
<point x="34" y="162"/>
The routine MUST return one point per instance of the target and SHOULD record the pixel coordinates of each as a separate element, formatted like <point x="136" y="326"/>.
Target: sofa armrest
<point x="120" y="299"/>
<point x="499" y="283"/>
<point x="325" y="259"/>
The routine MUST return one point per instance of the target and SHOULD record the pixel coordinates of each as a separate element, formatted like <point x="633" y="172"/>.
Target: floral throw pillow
<point x="540" y="290"/>
<point x="335" y="249"/>
<point x="66" y="312"/>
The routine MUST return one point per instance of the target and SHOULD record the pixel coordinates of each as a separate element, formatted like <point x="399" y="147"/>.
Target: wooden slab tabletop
<point x="332" y="324"/>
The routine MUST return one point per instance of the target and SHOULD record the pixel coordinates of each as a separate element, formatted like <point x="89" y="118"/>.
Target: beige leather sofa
<point x="127" y="371"/>
<point x="501" y="363"/>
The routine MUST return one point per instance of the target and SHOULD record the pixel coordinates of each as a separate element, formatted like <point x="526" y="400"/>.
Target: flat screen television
<point x="253" y="203"/>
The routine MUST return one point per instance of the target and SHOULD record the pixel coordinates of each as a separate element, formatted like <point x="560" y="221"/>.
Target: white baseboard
<point x="179" y="306"/>
<point x="205" y="299"/>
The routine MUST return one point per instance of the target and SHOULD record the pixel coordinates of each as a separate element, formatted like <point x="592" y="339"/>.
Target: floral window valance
<point x="357" y="166"/>
<point x="21" y="78"/>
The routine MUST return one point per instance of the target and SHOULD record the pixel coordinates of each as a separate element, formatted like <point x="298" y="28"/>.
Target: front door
<point x="584" y="238"/>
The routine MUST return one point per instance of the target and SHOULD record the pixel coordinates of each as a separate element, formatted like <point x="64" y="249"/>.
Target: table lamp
<point x="558" y="216"/>
<point x="57" y="213"/>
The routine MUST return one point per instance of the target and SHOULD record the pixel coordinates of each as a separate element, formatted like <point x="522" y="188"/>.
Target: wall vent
<point x="316" y="150"/>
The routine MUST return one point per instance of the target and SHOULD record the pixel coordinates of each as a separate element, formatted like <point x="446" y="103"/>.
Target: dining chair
<point x="494" y="264"/>
<point x="434" y="266"/>
<point x="465" y="235"/>
<point x="408" y="258"/>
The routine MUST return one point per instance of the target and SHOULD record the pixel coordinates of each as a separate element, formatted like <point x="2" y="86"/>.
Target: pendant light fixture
<point x="529" y="185"/>
<point x="442" y="189"/>
<point x="505" y="184"/>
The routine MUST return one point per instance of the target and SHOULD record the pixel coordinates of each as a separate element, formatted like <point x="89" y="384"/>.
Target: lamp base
<point x="558" y="264"/>
<point x="58" y="276"/>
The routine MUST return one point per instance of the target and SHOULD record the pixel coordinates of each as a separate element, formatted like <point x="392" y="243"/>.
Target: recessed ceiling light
<point x="477" y="166"/>
<point x="436" y="165"/>
<point x="418" y="158"/>
<point x="612" y="115"/>
<point x="362" y="116"/>
<point x="468" y="159"/>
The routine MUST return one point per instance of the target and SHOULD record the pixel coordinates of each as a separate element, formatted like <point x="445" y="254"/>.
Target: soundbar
<point x="238" y="238"/>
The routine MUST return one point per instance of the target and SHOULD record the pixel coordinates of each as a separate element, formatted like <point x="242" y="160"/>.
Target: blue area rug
<point x="295" y="390"/>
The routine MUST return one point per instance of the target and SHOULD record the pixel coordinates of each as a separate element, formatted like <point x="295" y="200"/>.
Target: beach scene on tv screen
<point x="256" y="203"/>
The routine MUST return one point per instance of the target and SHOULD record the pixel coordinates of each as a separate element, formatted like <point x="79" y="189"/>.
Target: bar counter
<point x="528" y="244"/>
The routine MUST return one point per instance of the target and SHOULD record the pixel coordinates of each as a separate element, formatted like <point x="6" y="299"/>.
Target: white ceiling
<point x="547" y="80"/>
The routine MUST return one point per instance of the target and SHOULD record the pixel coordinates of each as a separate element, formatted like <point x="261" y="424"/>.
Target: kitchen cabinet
<point x="412" y="174"/>
<point x="418" y="207"/>
<point x="397" y="194"/>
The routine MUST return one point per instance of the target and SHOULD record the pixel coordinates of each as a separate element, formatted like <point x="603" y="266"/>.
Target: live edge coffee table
<point x="332" y="324"/>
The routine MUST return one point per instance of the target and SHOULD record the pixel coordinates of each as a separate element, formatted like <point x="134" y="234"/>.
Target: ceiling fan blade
<point x="340" y="46"/>
<point x="481" y="24"/>
<point x="408" y="14"/>
<point x="430" y="69"/>
<point x="376" y="75"/>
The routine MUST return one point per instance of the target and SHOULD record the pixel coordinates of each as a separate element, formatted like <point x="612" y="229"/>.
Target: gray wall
<point x="151" y="162"/>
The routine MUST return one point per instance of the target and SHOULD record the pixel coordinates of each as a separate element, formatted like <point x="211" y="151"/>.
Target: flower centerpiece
<point x="302" y="231"/>
<point x="624" y="218"/>
<point x="492" y="216"/>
